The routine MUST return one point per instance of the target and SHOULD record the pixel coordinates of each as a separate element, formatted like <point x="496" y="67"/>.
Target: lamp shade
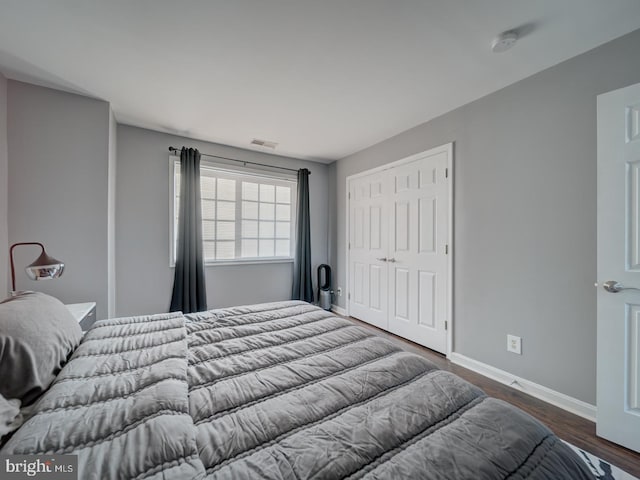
<point x="44" y="267"/>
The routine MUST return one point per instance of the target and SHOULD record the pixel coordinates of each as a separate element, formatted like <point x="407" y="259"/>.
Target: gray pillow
<point x="37" y="336"/>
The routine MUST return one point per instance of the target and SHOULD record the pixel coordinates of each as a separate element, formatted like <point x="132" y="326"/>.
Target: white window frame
<point x="282" y="178"/>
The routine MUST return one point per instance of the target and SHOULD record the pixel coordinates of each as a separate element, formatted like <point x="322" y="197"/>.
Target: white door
<point x="368" y="243"/>
<point x="399" y="263"/>
<point x="618" y="391"/>
<point x="418" y="264"/>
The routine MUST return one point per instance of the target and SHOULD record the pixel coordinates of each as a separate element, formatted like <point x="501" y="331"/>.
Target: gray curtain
<point x="302" y="286"/>
<point x="189" y="292"/>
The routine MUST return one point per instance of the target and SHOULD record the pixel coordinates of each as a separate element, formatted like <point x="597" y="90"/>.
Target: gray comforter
<point x="282" y="390"/>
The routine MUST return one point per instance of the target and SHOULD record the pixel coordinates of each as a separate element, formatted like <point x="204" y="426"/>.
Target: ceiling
<point x="322" y="78"/>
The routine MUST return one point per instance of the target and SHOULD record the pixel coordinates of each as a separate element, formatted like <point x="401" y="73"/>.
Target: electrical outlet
<point x="514" y="344"/>
<point x="339" y="291"/>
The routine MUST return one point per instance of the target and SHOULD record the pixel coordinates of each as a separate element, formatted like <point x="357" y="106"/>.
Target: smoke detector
<point x="264" y="143"/>
<point x="504" y="41"/>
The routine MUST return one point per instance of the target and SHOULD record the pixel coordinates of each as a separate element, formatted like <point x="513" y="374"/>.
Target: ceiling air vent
<point x="264" y="143"/>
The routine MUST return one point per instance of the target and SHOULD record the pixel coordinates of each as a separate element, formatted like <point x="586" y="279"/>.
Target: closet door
<point x="368" y="244"/>
<point x="417" y="258"/>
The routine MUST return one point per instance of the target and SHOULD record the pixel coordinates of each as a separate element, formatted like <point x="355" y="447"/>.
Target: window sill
<point x="248" y="261"/>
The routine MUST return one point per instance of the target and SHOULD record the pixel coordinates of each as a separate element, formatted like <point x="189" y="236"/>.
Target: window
<point x="245" y="216"/>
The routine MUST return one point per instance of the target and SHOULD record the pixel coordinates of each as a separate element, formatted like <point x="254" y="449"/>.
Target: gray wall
<point x="58" y="170"/>
<point x="144" y="278"/>
<point x="4" y="196"/>
<point x="525" y="216"/>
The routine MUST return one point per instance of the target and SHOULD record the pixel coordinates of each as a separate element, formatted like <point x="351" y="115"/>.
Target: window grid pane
<point x="283" y="194"/>
<point x="266" y="248"/>
<point x="267" y="211"/>
<point x="226" y="210"/>
<point x="226" y="189"/>
<point x="283" y="248"/>
<point x="249" y="229"/>
<point x="250" y="210"/>
<point x="267" y="193"/>
<point x="225" y="250"/>
<point x="267" y="229"/>
<point x="250" y="191"/>
<point x="283" y="212"/>
<point x="209" y="250"/>
<point x="208" y="230"/>
<point x="283" y="229"/>
<point x="225" y="230"/>
<point x="208" y="209"/>
<point x="207" y="187"/>
<point x="249" y="248"/>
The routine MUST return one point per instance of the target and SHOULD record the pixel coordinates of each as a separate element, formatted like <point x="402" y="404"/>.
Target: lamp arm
<point x="13" y="270"/>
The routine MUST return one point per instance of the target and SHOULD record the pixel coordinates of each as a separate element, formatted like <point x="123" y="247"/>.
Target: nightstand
<point x="84" y="313"/>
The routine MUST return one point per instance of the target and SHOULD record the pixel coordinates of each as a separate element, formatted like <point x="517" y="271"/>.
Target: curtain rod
<point x="245" y="162"/>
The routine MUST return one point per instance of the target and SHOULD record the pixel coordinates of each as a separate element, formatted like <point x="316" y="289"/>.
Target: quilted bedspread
<point x="276" y="391"/>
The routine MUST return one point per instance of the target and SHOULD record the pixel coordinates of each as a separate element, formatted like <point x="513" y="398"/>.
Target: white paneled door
<point x="618" y="360"/>
<point x="368" y="239"/>
<point x="418" y="264"/>
<point x="399" y="265"/>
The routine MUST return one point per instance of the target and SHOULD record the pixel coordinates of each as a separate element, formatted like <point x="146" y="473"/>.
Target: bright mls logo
<point x="53" y="467"/>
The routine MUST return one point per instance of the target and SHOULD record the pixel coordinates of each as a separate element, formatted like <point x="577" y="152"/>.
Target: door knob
<point x="392" y="260"/>
<point x="613" y="286"/>
<point x="383" y="259"/>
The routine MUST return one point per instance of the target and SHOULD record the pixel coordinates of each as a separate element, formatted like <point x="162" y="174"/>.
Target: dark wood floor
<point x="570" y="427"/>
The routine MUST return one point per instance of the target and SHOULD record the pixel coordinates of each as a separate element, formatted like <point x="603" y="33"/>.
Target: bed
<point x="275" y="391"/>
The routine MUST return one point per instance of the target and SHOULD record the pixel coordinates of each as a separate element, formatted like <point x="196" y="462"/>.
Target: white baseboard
<point x="338" y="310"/>
<point x="570" y="404"/>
